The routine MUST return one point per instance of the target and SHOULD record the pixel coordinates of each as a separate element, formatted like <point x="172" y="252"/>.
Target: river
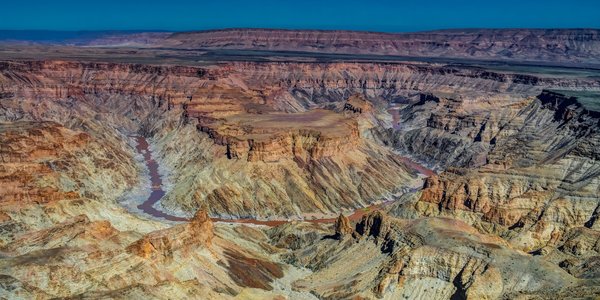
<point x="155" y="184"/>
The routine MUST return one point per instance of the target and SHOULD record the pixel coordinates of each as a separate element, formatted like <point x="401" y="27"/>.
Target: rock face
<point x="534" y="169"/>
<point x="270" y="137"/>
<point x="427" y="258"/>
<point x="286" y="183"/>
<point x="43" y="162"/>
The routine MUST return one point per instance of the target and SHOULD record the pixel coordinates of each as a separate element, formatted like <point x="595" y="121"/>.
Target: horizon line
<point x="291" y="29"/>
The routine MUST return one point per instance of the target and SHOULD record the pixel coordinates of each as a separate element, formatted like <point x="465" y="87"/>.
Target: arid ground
<point x="281" y="164"/>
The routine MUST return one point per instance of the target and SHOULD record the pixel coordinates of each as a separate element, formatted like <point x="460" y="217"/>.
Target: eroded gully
<point x="157" y="193"/>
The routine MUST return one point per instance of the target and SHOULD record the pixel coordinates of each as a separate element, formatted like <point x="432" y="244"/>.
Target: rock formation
<point x="302" y="147"/>
<point x="430" y="258"/>
<point x="451" y="180"/>
<point x="342" y="227"/>
<point x="548" y="46"/>
<point x="198" y="232"/>
<point x="510" y="44"/>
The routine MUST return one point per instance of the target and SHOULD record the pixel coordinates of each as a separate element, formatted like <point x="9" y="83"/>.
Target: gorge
<point x="249" y="164"/>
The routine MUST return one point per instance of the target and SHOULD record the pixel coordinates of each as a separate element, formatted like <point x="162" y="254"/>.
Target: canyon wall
<point x="558" y="45"/>
<point x="216" y="122"/>
<point x="524" y="170"/>
<point x="516" y="155"/>
<point x="544" y="46"/>
<point x="280" y="119"/>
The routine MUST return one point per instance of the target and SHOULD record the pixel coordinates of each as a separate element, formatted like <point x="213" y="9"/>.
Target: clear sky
<point x="391" y="16"/>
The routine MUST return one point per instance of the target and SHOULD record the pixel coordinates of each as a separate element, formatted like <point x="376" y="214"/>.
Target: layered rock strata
<point x="525" y="171"/>
<point x="423" y="258"/>
<point x="507" y="44"/>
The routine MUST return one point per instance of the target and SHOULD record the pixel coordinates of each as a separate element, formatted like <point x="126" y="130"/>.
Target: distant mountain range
<point x="558" y="45"/>
<point x="77" y="38"/>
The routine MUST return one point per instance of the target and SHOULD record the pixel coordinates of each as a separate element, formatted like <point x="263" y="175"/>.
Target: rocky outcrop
<point x="202" y="226"/>
<point x="199" y="232"/>
<point x="428" y="258"/>
<point x="270" y="137"/>
<point x="342" y="227"/>
<point x="291" y="185"/>
<point x="358" y="104"/>
<point x="375" y="225"/>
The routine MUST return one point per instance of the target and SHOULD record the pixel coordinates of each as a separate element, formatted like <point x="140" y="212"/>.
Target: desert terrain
<point x="280" y="164"/>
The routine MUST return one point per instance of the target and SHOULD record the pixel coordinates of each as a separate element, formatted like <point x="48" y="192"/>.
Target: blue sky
<point x="391" y="16"/>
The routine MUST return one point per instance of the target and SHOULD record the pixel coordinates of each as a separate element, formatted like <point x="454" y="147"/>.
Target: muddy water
<point x="156" y="184"/>
<point x="157" y="193"/>
<point x="420" y="168"/>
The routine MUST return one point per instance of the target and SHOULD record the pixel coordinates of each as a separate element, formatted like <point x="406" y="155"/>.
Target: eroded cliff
<point x="511" y="212"/>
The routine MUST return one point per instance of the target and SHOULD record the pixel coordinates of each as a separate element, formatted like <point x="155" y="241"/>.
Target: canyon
<point x="333" y="165"/>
